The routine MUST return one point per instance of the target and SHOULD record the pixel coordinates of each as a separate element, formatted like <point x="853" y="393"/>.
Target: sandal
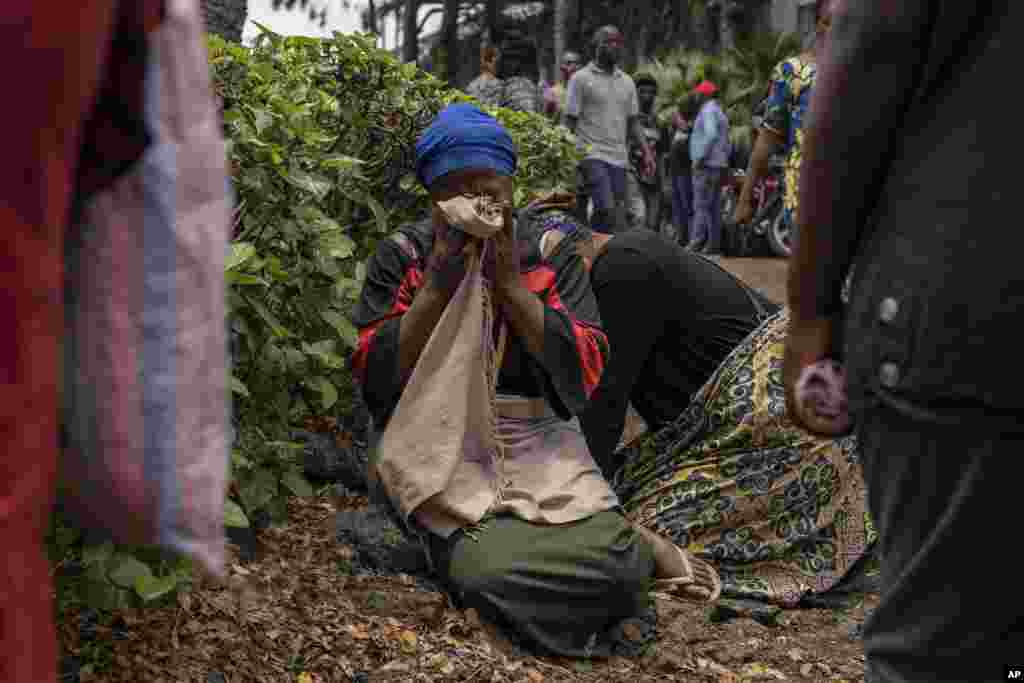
<point x="700" y="582"/>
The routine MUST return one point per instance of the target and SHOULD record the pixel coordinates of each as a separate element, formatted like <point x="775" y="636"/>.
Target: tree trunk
<point x="450" y="41"/>
<point x="493" y="19"/>
<point x="558" y="37"/>
<point x="410" y="33"/>
<point x="371" y="17"/>
<point x="226" y="18"/>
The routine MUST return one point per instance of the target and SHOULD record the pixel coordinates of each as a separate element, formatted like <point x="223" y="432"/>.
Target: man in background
<point x="646" y="190"/>
<point x="930" y="324"/>
<point x="602" y="109"/>
<point x="710" y="150"/>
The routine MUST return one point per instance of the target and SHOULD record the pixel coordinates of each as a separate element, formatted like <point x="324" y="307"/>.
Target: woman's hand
<point x="446" y="265"/>
<point x="506" y="249"/>
<point x="809" y="350"/>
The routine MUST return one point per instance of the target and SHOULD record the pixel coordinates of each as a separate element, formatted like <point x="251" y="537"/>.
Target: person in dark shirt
<point x="927" y="328"/>
<point x="724" y="471"/>
<point x="644" y="185"/>
<point x="662" y="352"/>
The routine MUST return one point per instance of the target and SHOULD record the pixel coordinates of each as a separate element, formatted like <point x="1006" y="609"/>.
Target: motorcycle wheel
<point x="780" y="235"/>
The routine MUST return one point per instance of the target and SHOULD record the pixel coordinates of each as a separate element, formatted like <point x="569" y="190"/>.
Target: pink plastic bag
<point x="146" y="398"/>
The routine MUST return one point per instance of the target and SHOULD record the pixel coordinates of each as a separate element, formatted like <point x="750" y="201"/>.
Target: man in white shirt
<point x="602" y="109"/>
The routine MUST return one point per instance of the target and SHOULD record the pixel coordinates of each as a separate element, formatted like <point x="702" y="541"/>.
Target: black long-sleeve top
<point x="671" y="318"/>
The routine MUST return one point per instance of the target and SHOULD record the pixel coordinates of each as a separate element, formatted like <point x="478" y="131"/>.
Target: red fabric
<point x="57" y="51"/>
<point x="411" y="283"/>
<point x="706" y="88"/>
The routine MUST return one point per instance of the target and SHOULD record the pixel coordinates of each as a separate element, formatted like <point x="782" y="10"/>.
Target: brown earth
<point x="296" y="614"/>
<point x="765" y="274"/>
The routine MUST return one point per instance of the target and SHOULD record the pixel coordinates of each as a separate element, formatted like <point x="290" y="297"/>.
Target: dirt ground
<point x="765" y="274"/>
<point x="297" y="614"/>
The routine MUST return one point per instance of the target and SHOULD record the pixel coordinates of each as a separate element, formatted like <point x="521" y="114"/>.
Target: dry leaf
<point x="358" y="631"/>
<point x="807" y="670"/>
<point x="473" y="618"/>
<point x="409" y="641"/>
<point x="534" y="676"/>
<point x="796" y="655"/>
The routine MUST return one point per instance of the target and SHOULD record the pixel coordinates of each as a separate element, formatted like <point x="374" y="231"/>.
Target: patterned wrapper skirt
<point x="781" y="512"/>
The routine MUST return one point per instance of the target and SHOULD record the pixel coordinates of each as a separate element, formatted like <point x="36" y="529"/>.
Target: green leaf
<point x="150" y="588"/>
<point x="244" y="279"/>
<point x="298" y="484"/>
<point x="314" y="184"/>
<point x="344" y="327"/>
<point x="323" y="386"/>
<point x="124" y="570"/>
<point x="238" y="387"/>
<point x="97" y="554"/>
<point x="263" y="120"/>
<point x="378" y="212"/>
<point x="240" y="253"/>
<point x="276" y="328"/>
<point x="258" y="488"/>
<point x="337" y="245"/>
<point x="234" y="516"/>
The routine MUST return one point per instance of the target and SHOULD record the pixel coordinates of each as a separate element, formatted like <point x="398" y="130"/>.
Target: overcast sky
<point x="296" y="22"/>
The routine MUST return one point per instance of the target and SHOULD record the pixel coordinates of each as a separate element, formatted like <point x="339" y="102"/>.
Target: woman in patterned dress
<point x="779" y="511"/>
<point x="781" y="128"/>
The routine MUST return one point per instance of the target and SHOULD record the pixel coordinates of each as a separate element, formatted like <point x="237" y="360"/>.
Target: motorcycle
<point x="768" y="230"/>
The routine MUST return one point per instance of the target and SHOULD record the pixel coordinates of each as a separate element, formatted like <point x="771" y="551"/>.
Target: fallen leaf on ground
<point x="409" y="641"/>
<point x="534" y="676"/>
<point x="796" y="655"/>
<point x="358" y="631"/>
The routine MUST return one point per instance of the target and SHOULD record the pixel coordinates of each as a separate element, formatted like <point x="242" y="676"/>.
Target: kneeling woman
<point x="724" y="471"/>
<point x="544" y="549"/>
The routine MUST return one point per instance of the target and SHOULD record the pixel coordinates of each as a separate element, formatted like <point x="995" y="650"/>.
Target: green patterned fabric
<point x="781" y="512"/>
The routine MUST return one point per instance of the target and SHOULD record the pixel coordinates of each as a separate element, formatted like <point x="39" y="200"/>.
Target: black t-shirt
<point x="671" y="318"/>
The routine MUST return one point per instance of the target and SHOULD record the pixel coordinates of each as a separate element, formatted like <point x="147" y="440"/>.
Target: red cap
<point x="706" y="88"/>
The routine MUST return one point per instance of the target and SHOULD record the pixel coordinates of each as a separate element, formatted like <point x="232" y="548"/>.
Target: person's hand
<point x="446" y="265"/>
<point x="744" y="211"/>
<point x="649" y="165"/>
<point x="808" y="366"/>
<point x="505" y="255"/>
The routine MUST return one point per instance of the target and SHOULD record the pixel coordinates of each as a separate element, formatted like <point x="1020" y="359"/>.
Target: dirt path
<point x="765" y="274"/>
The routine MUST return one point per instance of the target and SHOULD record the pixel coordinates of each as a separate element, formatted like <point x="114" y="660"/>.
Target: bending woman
<point x="780" y="512"/>
<point x="553" y="558"/>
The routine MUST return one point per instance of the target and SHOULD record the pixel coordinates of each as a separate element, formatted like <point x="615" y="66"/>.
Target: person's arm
<point x="398" y="308"/>
<point x="624" y="283"/>
<point x="575" y="348"/>
<point x="864" y="84"/>
<point x="573" y="104"/>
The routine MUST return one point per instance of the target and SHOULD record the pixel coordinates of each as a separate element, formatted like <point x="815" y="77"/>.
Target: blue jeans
<point x="605" y="185"/>
<point x="706" y="226"/>
<point x="682" y="204"/>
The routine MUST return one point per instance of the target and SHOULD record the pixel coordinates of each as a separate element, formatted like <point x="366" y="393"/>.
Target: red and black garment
<point x="575" y="347"/>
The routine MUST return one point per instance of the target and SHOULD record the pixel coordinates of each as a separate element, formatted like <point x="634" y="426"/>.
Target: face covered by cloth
<point x="464" y="138"/>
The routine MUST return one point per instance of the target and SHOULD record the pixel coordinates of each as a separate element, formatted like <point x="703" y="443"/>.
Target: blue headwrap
<point x="462" y="137"/>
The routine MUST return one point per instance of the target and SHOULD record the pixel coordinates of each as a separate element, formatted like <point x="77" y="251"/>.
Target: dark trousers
<point x="706" y="225"/>
<point x="944" y="499"/>
<point x="682" y="204"/>
<point x="605" y="185"/>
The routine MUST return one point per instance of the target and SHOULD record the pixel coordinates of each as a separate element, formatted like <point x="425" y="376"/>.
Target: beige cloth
<point x="451" y="452"/>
